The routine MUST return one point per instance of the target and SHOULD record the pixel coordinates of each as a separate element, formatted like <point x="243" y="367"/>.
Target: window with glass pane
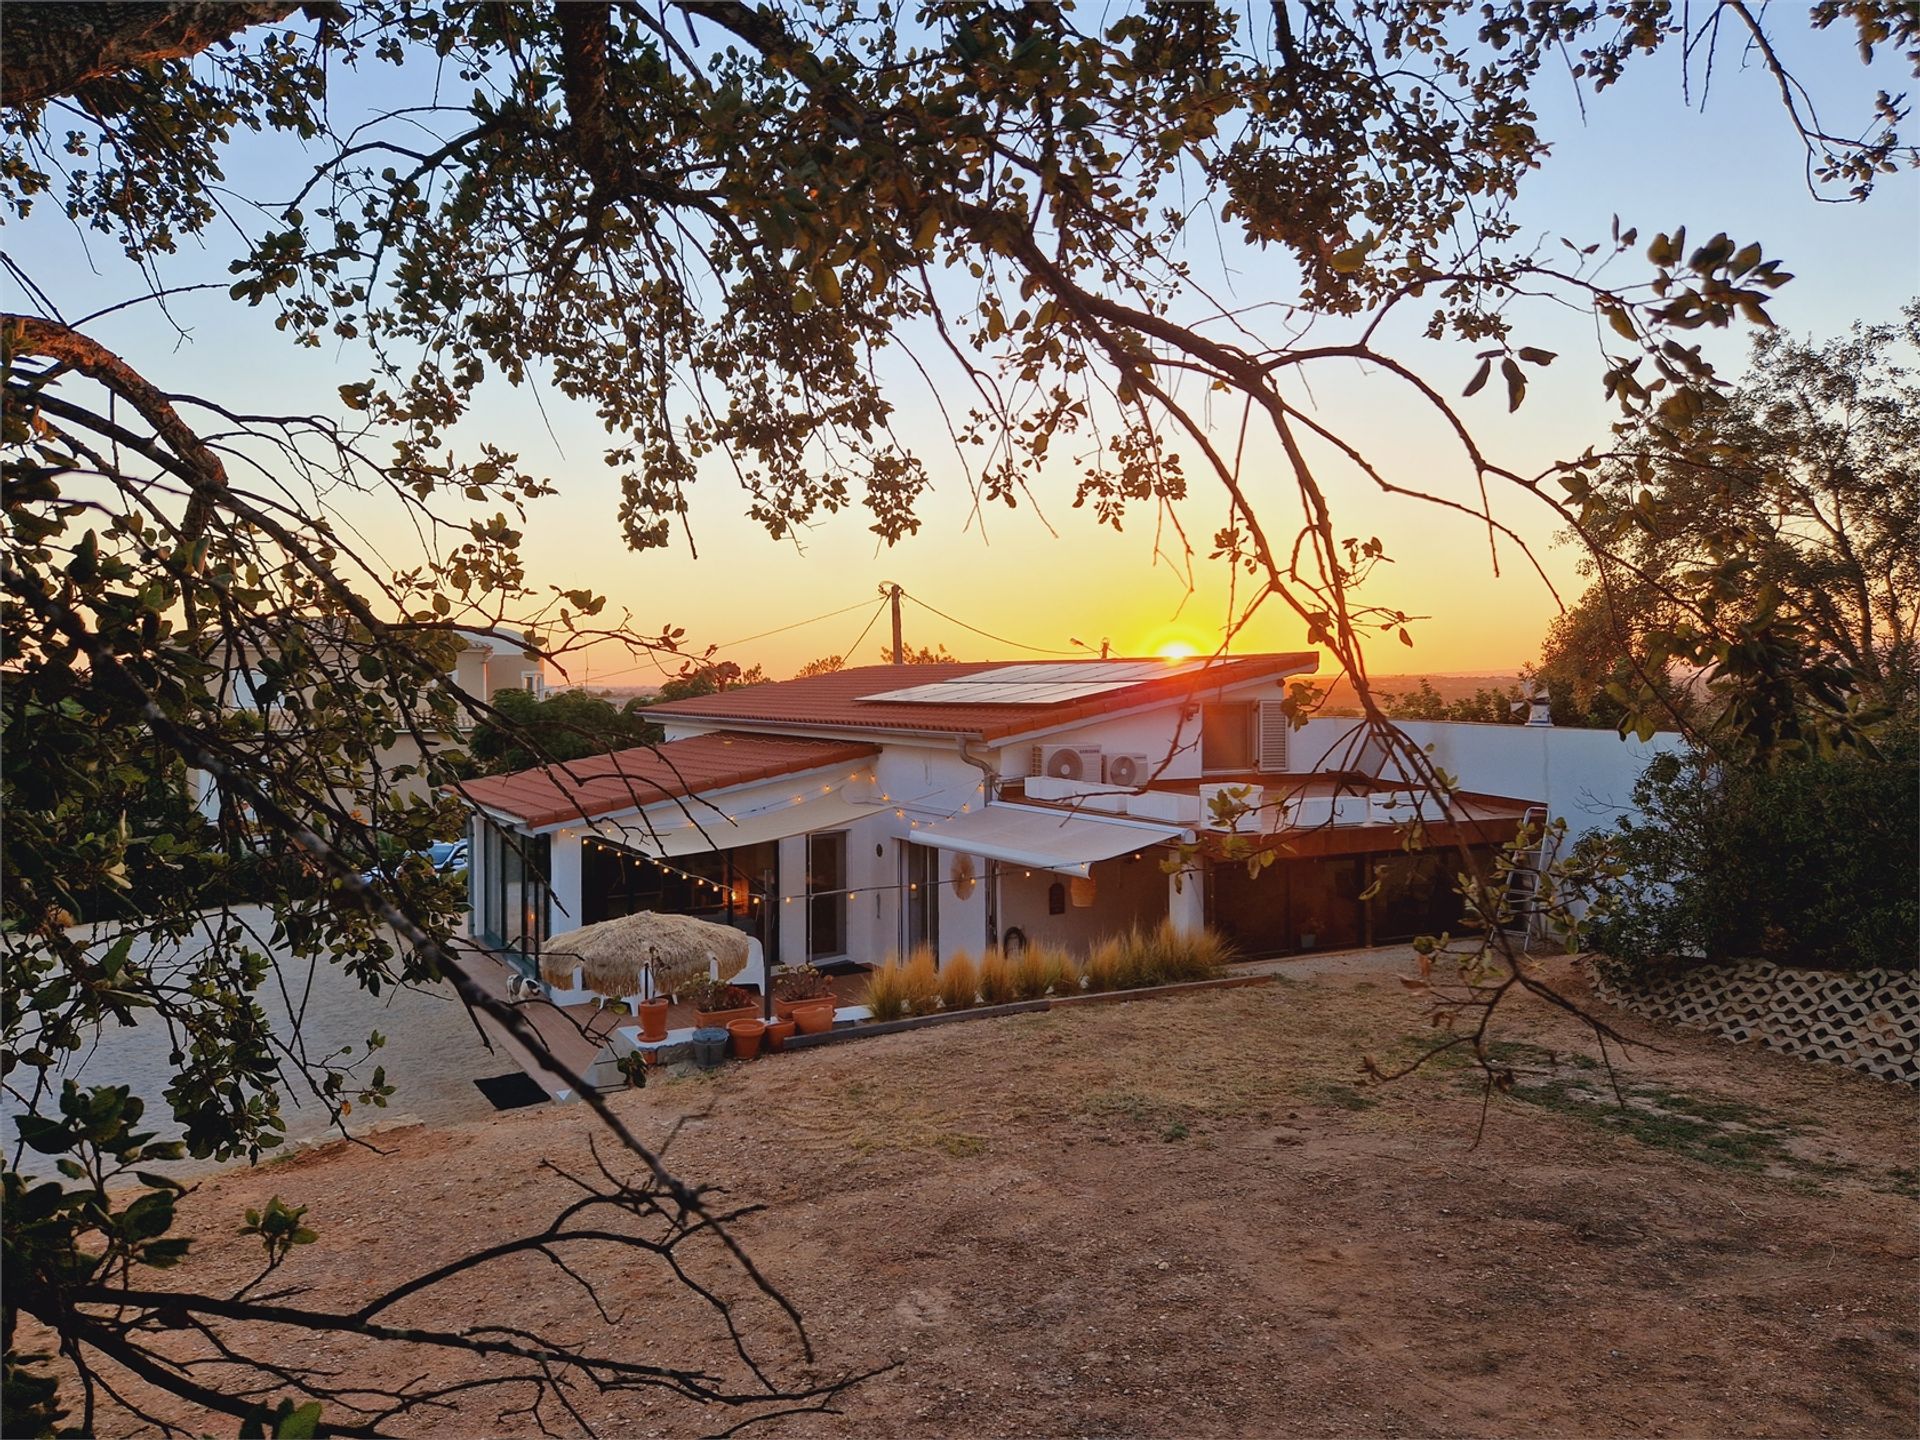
<point x="1226" y="738"/>
<point x="826" y="895"/>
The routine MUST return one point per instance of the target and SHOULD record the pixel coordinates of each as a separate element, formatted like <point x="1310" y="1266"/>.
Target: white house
<point x="847" y="815"/>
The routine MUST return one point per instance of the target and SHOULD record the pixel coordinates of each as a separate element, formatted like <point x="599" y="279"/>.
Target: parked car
<point x="448" y="857"/>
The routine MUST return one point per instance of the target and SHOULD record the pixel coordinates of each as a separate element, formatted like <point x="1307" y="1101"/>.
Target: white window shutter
<point x="1271" y="732"/>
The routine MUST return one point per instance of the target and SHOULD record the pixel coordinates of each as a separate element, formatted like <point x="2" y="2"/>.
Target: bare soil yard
<point x="1190" y="1218"/>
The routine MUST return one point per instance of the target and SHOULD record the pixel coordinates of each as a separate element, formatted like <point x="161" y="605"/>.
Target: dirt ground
<point x="1190" y="1218"/>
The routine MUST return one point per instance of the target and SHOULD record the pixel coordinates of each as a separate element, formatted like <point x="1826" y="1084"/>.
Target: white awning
<point x="1043" y="839"/>
<point x="700" y="827"/>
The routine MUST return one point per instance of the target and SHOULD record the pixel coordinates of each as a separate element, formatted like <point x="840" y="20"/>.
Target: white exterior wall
<point x="1127" y="893"/>
<point x="1584" y="777"/>
<point x="1161" y="735"/>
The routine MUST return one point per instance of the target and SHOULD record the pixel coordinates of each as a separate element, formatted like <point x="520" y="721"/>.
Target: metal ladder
<point x="1523" y="881"/>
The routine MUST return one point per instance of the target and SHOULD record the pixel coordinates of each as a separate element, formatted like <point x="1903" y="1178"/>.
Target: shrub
<point x="713" y="994"/>
<point x="996" y="978"/>
<point x="1809" y="863"/>
<point x="801" y="982"/>
<point x="959" y="982"/>
<point x="887" y="991"/>
<point x="920" y="982"/>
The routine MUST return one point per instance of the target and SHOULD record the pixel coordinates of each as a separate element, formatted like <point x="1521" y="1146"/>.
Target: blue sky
<point x="1641" y="153"/>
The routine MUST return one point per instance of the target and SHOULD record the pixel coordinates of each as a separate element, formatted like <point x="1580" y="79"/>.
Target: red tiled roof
<point x="627" y="779"/>
<point x="833" y="701"/>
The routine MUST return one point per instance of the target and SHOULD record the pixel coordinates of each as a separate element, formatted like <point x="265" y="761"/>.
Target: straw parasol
<point x="614" y="955"/>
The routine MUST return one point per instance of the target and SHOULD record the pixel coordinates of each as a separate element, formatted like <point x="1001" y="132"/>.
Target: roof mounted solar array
<point x="1046" y="684"/>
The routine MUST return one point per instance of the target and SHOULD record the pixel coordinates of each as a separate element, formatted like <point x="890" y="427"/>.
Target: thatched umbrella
<point x="615" y="955"/>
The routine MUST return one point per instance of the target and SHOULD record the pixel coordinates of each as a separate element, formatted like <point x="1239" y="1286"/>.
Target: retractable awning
<point x="1043" y="839"/>
<point x="699" y="828"/>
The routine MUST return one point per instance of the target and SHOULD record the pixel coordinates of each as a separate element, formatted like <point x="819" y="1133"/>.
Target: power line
<point x="997" y="639"/>
<point x="794" y="626"/>
<point x="779" y="630"/>
<point x="848" y="658"/>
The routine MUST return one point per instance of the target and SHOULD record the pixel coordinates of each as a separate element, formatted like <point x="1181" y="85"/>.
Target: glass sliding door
<point x="826" y="895"/>
<point x="920" y="907"/>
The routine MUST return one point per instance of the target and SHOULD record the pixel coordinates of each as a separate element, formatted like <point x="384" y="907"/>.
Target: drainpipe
<point x="992" y="878"/>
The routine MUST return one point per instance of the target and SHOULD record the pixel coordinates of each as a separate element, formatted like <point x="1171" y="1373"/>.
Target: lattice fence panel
<point x="1868" y="1021"/>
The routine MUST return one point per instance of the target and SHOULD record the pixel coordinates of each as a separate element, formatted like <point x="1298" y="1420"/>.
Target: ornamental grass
<point x="887" y="991"/>
<point x="920" y="982"/>
<point x="959" y="982"/>
<point x="996" y="978"/>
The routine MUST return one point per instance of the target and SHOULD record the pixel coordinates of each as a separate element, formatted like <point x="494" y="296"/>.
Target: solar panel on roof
<point x="1034" y="684"/>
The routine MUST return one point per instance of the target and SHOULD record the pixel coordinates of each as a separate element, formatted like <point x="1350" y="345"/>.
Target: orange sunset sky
<point x="1037" y="578"/>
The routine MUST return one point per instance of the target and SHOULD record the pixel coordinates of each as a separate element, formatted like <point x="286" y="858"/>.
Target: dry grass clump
<point x="1030" y="973"/>
<point x="1102" y="968"/>
<point x="1160" y="956"/>
<point x="996" y="978"/>
<point x="920" y="982"/>
<point x="1132" y="961"/>
<point x="959" y="982"/>
<point x="1063" y="973"/>
<point x="887" y="991"/>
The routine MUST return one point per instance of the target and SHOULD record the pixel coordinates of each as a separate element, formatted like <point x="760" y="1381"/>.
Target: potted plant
<point x="813" y="1017"/>
<point x="1310" y="932"/>
<point x="633" y="1067"/>
<point x="796" y="985"/>
<point x="778" y="1033"/>
<point x="715" y="1003"/>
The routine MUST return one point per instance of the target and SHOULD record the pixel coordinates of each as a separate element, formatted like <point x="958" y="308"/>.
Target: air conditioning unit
<point x="1071" y="762"/>
<point x="1130" y="770"/>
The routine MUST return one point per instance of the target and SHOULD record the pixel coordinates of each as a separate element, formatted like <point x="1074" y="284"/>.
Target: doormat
<point x="840" y="968"/>
<point x="512" y="1092"/>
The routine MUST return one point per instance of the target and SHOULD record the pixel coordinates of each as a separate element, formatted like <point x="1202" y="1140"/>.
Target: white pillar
<point x="1187" y="901"/>
<point x="565" y="876"/>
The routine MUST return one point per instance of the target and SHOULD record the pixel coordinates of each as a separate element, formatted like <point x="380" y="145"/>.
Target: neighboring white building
<point x="850" y="815"/>
<point x="485" y="665"/>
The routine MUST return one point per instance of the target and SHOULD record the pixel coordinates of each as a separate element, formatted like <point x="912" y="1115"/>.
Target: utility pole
<point x="892" y="592"/>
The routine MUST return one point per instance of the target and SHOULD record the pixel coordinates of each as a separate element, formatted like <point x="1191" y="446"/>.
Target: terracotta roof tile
<point x="833" y="701"/>
<point x="627" y="779"/>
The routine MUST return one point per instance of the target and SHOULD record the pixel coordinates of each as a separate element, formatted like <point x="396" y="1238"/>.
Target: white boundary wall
<point x="1584" y="777"/>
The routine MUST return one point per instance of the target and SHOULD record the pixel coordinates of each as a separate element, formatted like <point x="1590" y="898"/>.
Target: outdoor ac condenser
<point x="1130" y="770"/>
<point x="1071" y="762"/>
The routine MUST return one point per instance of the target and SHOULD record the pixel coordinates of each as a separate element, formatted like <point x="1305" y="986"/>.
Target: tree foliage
<point x="709" y="224"/>
<point x="525" y="730"/>
<point x="1807" y="863"/>
<point x="1766" y="537"/>
<point x="710" y="678"/>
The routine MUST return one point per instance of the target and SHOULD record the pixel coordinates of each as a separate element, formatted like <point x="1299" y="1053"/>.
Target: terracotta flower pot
<point x="718" y="1018"/>
<point x="814" y="1017"/>
<point x="653" y="1019"/>
<point x="778" y="1034"/>
<point x="747" y="1035"/>
<point x="785" y="1008"/>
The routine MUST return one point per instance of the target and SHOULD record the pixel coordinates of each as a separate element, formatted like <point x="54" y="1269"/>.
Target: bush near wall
<point x="1810" y="864"/>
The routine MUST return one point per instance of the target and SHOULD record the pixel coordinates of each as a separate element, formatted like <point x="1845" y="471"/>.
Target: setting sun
<point x="1176" y="650"/>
